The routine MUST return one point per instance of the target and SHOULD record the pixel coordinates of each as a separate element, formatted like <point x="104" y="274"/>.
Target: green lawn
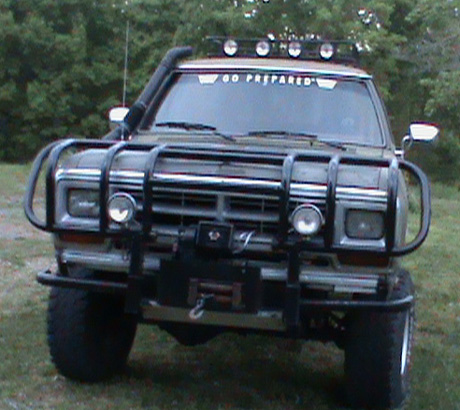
<point x="229" y="372"/>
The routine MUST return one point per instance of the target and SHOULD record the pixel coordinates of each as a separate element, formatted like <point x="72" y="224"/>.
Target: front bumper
<point x="294" y="303"/>
<point x="273" y="320"/>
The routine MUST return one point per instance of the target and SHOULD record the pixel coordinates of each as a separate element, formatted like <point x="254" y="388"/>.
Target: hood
<point x="303" y="172"/>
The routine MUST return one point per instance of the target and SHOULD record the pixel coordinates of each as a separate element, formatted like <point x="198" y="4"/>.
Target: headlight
<point x="121" y="208"/>
<point x="307" y="219"/>
<point x="83" y="203"/>
<point x="362" y="224"/>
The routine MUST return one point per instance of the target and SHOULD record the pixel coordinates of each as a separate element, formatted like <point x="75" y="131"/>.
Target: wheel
<point x="89" y="335"/>
<point x="378" y="353"/>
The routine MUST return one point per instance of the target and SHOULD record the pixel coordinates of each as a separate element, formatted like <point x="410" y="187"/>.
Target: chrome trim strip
<point x="298" y="189"/>
<point x="287" y="70"/>
<point x="339" y="282"/>
<point x="77" y="172"/>
<point x="204" y="179"/>
<point x="114" y="261"/>
<point x="264" y="320"/>
<point x="274" y="274"/>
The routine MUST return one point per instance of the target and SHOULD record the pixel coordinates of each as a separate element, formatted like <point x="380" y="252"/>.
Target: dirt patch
<point x="17" y="231"/>
<point x="13" y="223"/>
<point x="39" y="264"/>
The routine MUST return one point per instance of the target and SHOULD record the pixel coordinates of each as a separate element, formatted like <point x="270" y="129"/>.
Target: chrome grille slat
<point x="185" y="198"/>
<point x="247" y="213"/>
<point x="178" y="210"/>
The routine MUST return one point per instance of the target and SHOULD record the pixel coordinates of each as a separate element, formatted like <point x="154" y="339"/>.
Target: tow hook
<point x="198" y="310"/>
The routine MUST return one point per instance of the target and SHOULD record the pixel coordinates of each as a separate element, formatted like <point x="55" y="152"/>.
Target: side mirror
<point x="116" y="116"/>
<point x="419" y="132"/>
<point x="422" y="132"/>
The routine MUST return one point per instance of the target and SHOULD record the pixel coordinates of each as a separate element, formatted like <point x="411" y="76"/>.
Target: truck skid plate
<point x="263" y="320"/>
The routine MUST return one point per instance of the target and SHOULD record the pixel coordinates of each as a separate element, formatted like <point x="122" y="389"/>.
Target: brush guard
<point x="292" y="247"/>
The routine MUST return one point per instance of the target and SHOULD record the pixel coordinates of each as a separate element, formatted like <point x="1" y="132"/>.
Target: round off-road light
<point x="294" y="49"/>
<point x="307" y="219"/>
<point x="263" y="48"/>
<point x="230" y="47"/>
<point x="121" y="208"/>
<point x="326" y="51"/>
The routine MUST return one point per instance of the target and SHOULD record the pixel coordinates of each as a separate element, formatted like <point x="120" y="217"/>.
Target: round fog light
<point x="307" y="219"/>
<point x="326" y="51"/>
<point x="230" y="47"/>
<point x="263" y="48"/>
<point x="295" y="49"/>
<point x="121" y="208"/>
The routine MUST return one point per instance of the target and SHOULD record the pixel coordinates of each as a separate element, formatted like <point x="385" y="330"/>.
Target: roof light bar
<point x="343" y="52"/>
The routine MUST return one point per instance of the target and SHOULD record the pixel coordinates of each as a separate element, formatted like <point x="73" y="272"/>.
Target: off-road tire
<point x="89" y="335"/>
<point x="378" y="353"/>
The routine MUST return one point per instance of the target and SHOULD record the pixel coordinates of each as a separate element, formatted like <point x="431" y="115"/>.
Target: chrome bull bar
<point x="280" y="189"/>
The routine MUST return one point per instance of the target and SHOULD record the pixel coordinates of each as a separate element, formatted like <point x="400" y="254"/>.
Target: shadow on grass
<point x="238" y="372"/>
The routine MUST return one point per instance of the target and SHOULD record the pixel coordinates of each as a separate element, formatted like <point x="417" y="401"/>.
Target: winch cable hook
<point x="198" y="311"/>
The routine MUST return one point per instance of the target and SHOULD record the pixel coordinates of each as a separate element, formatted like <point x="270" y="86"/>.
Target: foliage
<point x="59" y="70"/>
<point x="436" y="53"/>
<point x="444" y="95"/>
<point x="442" y="160"/>
<point x="61" y="63"/>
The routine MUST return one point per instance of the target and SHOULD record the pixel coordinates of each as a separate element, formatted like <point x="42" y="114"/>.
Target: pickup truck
<point x="258" y="190"/>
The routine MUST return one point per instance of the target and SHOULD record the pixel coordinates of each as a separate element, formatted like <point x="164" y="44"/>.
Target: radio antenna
<point x="125" y="75"/>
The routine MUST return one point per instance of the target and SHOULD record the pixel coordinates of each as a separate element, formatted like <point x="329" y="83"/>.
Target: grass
<point x="436" y="270"/>
<point x="229" y="372"/>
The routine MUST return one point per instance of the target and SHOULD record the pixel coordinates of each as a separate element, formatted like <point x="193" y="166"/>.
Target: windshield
<point x="238" y="104"/>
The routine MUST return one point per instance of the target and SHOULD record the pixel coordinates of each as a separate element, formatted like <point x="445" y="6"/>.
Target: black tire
<point x="89" y="335"/>
<point x="378" y="354"/>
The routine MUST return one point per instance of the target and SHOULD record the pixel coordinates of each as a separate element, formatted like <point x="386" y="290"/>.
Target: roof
<point x="276" y="65"/>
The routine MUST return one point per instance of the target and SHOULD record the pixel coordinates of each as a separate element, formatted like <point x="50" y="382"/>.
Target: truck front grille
<point x="181" y="209"/>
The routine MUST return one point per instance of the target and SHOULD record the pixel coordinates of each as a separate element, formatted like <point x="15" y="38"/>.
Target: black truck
<point x="257" y="190"/>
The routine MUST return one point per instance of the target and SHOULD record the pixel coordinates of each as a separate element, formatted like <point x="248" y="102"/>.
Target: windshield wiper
<point x="192" y="126"/>
<point x="334" y="144"/>
<point x="311" y="137"/>
<point x="283" y="134"/>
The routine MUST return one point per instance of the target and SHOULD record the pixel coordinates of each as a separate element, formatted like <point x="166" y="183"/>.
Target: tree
<point x="57" y="70"/>
<point x="435" y="52"/>
<point x="61" y="63"/>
